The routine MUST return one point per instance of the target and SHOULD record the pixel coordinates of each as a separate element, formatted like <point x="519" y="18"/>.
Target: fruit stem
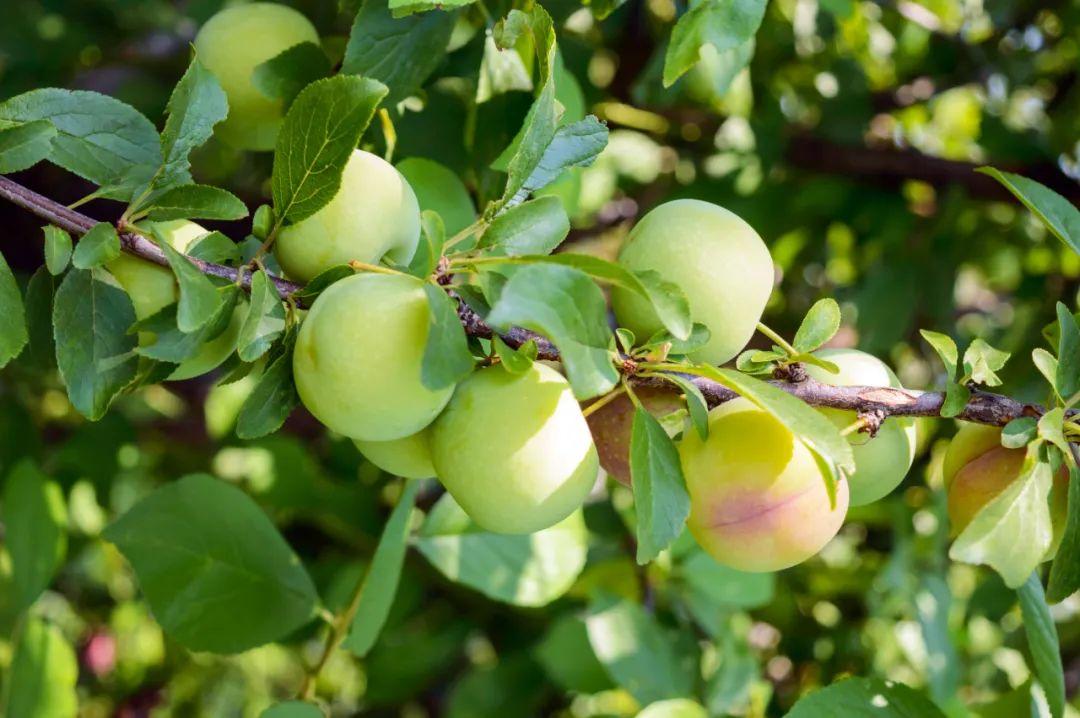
<point x="378" y="268"/>
<point x="603" y="401"/>
<point x="780" y="341"/>
<point x="463" y="235"/>
<point x="853" y="427"/>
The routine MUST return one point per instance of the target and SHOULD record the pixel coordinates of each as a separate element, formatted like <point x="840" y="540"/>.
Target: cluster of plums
<point x="515" y="449"/>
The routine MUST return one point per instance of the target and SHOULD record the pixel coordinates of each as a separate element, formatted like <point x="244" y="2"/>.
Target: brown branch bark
<point x="984" y="407"/>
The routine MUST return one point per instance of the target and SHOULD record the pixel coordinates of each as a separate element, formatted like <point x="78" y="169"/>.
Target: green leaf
<point x="1065" y="573"/>
<point x="1043" y="642"/>
<point x="636" y="652"/>
<point x="865" y="698"/>
<point x="695" y="403"/>
<point x="818" y="326"/>
<point x="265" y="320"/>
<point x="381" y="581"/>
<point x="214" y="247"/>
<point x="320" y="132"/>
<point x="1067" y="377"/>
<point x="399" y="52"/>
<point x="1057" y="213"/>
<point x="945" y="348"/>
<point x="523" y="570"/>
<point x="35" y="523"/>
<point x="956" y="398"/>
<point x="41" y="680"/>
<point x="196" y="105"/>
<point x="576" y="144"/>
<point x="292" y="709"/>
<point x="723" y="587"/>
<point x="216" y="573"/>
<point x="57" y="249"/>
<point x="173" y="345"/>
<point x="283" y="76"/>
<point x="13" y="334"/>
<point x="98" y="138"/>
<point x="447" y="359"/>
<point x="196" y="201"/>
<point x="94" y="351"/>
<point x="568" y="659"/>
<point x="515" y="361"/>
<point x="23" y="146"/>
<point x="1051" y="428"/>
<point x="439" y="189"/>
<point x="200" y="300"/>
<point x="566" y="306"/>
<point x="41" y="348"/>
<point x="429" y="250"/>
<point x="1019" y="432"/>
<point x="535" y="227"/>
<point x="500" y="72"/>
<point x="982" y="361"/>
<point x="661" y="502"/>
<point x="724" y="24"/>
<point x="98" y="246"/>
<point x="1012" y="532"/>
<point x="1047" y="364"/>
<point x="271" y="402"/>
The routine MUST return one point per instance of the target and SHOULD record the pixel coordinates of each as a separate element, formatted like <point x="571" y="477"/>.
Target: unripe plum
<point x="231" y="45"/>
<point x="408" y="457"/>
<point x="717" y="259"/>
<point x="612" y="424"/>
<point x="882" y="462"/>
<point x="358" y="356"/>
<point x="152" y="287"/>
<point x="374" y="213"/>
<point x="757" y="496"/>
<point x="514" y="450"/>
<point x="977" y="468"/>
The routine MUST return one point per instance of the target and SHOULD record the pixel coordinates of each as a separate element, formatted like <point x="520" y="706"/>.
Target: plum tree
<point x="717" y="259"/>
<point x="977" y="468"/>
<point x="612" y="423"/>
<point x="231" y="45"/>
<point x="358" y="355"/>
<point x="152" y="287"/>
<point x="882" y="462"/>
<point x="374" y="213"/>
<point x="514" y="450"/>
<point x="408" y="457"/>
<point x="758" y="500"/>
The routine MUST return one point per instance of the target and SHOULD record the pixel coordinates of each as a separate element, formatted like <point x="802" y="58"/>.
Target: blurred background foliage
<point x="848" y="141"/>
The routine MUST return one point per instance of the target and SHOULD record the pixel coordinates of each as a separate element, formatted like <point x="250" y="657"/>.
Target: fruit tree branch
<point x="983" y="407"/>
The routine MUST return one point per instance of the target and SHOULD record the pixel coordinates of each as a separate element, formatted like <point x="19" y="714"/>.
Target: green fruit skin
<point x="882" y="462"/>
<point x="374" y="213"/>
<point x="977" y="468"/>
<point x="757" y="497"/>
<point x="152" y="287"/>
<point x="358" y="356"/>
<point x="438" y="189"/>
<point x="408" y="457"/>
<point x="717" y="259"/>
<point x="231" y="45"/>
<point x="514" y="449"/>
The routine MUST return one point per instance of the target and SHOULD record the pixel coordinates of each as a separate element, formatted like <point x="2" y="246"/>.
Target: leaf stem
<point x="604" y="401"/>
<point x="463" y="234"/>
<point x="780" y="341"/>
<point x="377" y="268"/>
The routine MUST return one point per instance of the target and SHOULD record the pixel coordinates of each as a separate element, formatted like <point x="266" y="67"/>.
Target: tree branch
<point x="983" y="408"/>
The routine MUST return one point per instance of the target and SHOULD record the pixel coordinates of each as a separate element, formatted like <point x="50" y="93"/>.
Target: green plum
<point x="758" y="501"/>
<point x="358" y="356"/>
<point x="514" y="449"/>
<point x="408" y="457"/>
<point x="717" y="259"/>
<point x="882" y="462"/>
<point x="231" y="45"/>
<point x="439" y="189"/>
<point x="152" y="287"/>
<point x="374" y="213"/>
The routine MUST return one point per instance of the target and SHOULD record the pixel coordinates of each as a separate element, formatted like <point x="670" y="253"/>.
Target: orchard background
<point x="181" y="537"/>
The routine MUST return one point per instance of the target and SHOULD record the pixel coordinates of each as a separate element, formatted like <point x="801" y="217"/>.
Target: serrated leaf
<point x="447" y="359"/>
<point x="576" y="144"/>
<point x="724" y="24"/>
<point x="57" y="249"/>
<point x="265" y="320"/>
<point x="196" y="201"/>
<point x="40" y="682"/>
<point x="271" y="402"/>
<point x="945" y="348"/>
<point x="519" y="569"/>
<point x="214" y="247"/>
<point x="865" y="698"/>
<point x="98" y="246"/>
<point x="1013" y="531"/>
<point x="173" y="345"/>
<point x="531" y="228"/>
<point x="99" y="138"/>
<point x="1043" y="642"/>
<point x="564" y="305"/>
<point x="35" y="523"/>
<point x="283" y="76"/>
<point x="13" y="333"/>
<point x="94" y="351"/>
<point x="1056" y="212"/>
<point x="399" y="52"/>
<point x="199" y="298"/>
<point x="500" y="72"/>
<point x="197" y="104"/>
<point x="23" y="146"/>
<point x="818" y="326"/>
<point x="1019" y="432"/>
<point x="216" y="573"/>
<point x="1065" y="573"/>
<point x="381" y="581"/>
<point x="318" y="135"/>
<point x="982" y="361"/>
<point x="41" y="349"/>
<point x="661" y="501"/>
<point x="323" y="280"/>
<point x="1067" y="376"/>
